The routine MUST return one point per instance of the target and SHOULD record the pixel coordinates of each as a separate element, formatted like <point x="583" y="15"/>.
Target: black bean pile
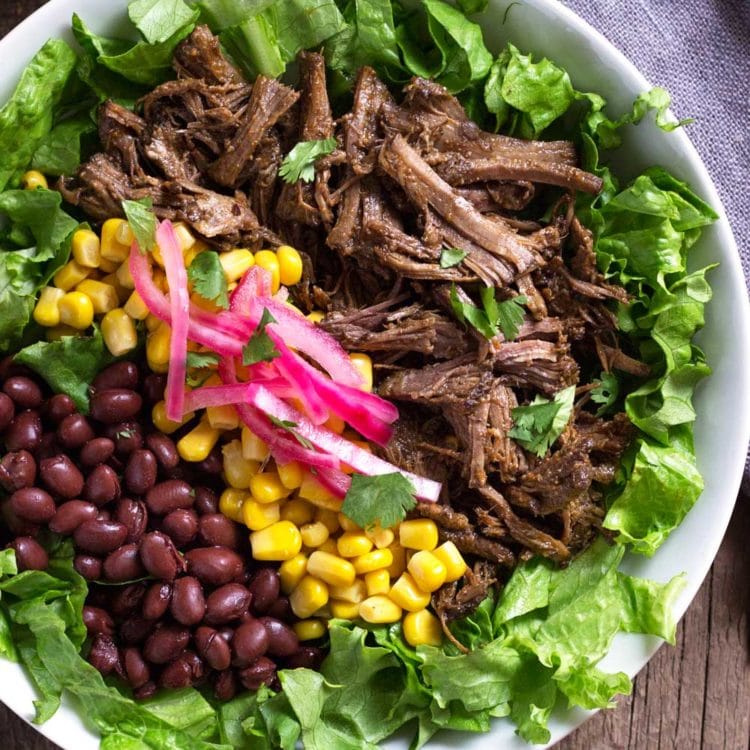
<point x="174" y="596"/>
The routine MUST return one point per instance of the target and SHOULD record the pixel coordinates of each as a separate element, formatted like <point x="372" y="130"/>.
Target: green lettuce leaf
<point x="59" y="152"/>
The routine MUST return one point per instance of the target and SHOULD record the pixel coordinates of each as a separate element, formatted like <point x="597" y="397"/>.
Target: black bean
<point x="126" y="600"/>
<point x="135" y="629"/>
<point x="282" y="640"/>
<point x="136" y="669"/>
<point x="48" y="447"/>
<point x="188" y="602"/>
<point x="206" y="502"/>
<point x="96" y="451"/>
<point x="176" y="675"/>
<point x="251" y="640"/>
<point x="157" y="599"/>
<point x="124" y="564"/>
<point x="61" y="476"/>
<point x="160" y="557"/>
<point x="167" y="496"/>
<point x="305" y="657"/>
<point x="74" y="432"/>
<point x="103" y="515"/>
<point x="265" y="587"/>
<point x="281" y="609"/>
<point x="115" y="405"/>
<point x="215" y="529"/>
<point x="104" y="654"/>
<point x="164" y="449"/>
<point x="214" y="464"/>
<point x="102" y="485"/>
<point x="100" y="537"/>
<point x="17" y="470"/>
<point x="33" y="504"/>
<point x="213" y="648"/>
<point x="118" y="375"/>
<point x="227" y="634"/>
<point x="127" y="437"/>
<point x="97" y="620"/>
<point x="181" y="525"/>
<point x="166" y="643"/>
<point x="225" y="685"/>
<point x="15" y="525"/>
<point x="30" y="555"/>
<point x="140" y="471"/>
<point x="88" y="566"/>
<point x="58" y="407"/>
<point x="227" y="603"/>
<point x="261" y="672"/>
<point x="7" y="410"/>
<point x="133" y="514"/>
<point x="24" y="432"/>
<point x="26" y="394"/>
<point x="153" y="387"/>
<point x="215" y="566"/>
<point x="71" y="515"/>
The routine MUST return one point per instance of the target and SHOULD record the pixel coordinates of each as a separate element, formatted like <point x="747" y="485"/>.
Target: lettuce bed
<point x="540" y="641"/>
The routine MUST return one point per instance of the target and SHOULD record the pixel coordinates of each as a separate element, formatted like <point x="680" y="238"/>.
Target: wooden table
<point x="696" y="695"/>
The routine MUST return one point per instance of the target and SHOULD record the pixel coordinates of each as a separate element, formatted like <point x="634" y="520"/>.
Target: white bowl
<point x="544" y="27"/>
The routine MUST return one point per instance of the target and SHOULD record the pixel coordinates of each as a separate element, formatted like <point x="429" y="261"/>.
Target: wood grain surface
<point x="695" y="695"/>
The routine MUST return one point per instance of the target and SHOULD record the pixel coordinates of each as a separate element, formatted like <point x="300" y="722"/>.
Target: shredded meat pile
<point x="411" y="176"/>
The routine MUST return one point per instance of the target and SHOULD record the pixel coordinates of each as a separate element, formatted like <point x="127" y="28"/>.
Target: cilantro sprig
<point x="541" y="422"/>
<point x="494" y="316"/>
<point x="291" y="427"/>
<point x="260" y="347"/>
<point x="142" y="220"/>
<point x="451" y="257"/>
<point x="299" y="163"/>
<point x="383" y="499"/>
<point x="606" y="392"/>
<point x="208" y="279"/>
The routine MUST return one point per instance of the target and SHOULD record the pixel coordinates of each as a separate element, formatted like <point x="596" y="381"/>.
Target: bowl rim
<point x="48" y="15"/>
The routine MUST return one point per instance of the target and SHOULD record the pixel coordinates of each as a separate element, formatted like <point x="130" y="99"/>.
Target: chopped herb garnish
<point x="451" y="256"/>
<point x="208" y="279"/>
<point x="285" y="424"/>
<point x="494" y="316"/>
<point x="383" y="499"/>
<point x="142" y="222"/>
<point x="541" y="422"/>
<point x="200" y="360"/>
<point x="299" y="163"/>
<point x="606" y="392"/>
<point x="260" y="347"/>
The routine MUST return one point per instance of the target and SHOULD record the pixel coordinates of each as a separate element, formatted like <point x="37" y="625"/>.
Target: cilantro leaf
<point x="384" y="499"/>
<point x="202" y="359"/>
<point x="606" y="392"/>
<point x="289" y="426"/>
<point x="451" y="256"/>
<point x="509" y="316"/>
<point x="540" y="423"/>
<point x="299" y="163"/>
<point x="207" y="277"/>
<point x="504" y="316"/>
<point x="260" y="347"/>
<point x="142" y="222"/>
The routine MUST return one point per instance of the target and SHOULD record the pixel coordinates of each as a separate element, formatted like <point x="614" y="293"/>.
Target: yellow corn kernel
<point x="70" y="275"/>
<point x="266" y="487"/>
<point x="313" y="534"/>
<point x="408" y="595"/>
<point x="455" y="565"/>
<point x="344" y="610"/>
<point x="267" y="259"/>
<point x="379" y="610"/>
<point x="356" y="592"/>
<point x="377" y="582"/>
<point x="124" y="234"/>
<point x="364" y="364"/>
<point x="309" y="630"/>
<point x="427" y="570"/>
<point x="192" y="253"/>
<point x="290" y="265"/>
<point x="46" y="312"/>
<point x="299" y="512"/>
<point x="34" y="180"/>
<point x="103" y="296"/>
<point x="86" y="250"/>
<point x="152" y="323"/>
<point x="347" y="524"/>
<point x="111" y="247"/>
<point x="253" y="448"/>
<point x="108" y="266"/>
<point x="60" y="332"/>
<point x="237" y="471"/>
<point x="236" y="263"/>
<point x="422" y="533"/>
<point x="112" y="280"/>
<point x="124" y="277"/>
<point x="329" y="546"/>
<point x="422" y="628"/>
<point x="292" y="571"/>
<point x="375" y="560"/>
<point x="331" y="569"/>
<point x="291" y="474"/>
<point x="231" y="504"/>
<point x="135" y="307"/>
<point x="316" y="316"/>
<point x="335" y="424"/>
<point x="157" y="349"/>
<point x="280" y="541"/>
<point x="328" y="518"/>
<point x="167" y="426"/>
<point x="398" y="566"/>
<point x="383" y="537"/>
<point x="198" y="443"/>
<point x="352" y="544"/>
<point x="313" y="491"/>
<point x="223" y="417"/>
<point x="185" y="238"/>
<point x="76" y="310"/>
<point x="308" y="597"/>
<point x="118" y="332"/>
<point x="204" y="304"/>
<point x="258" y="516"/>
